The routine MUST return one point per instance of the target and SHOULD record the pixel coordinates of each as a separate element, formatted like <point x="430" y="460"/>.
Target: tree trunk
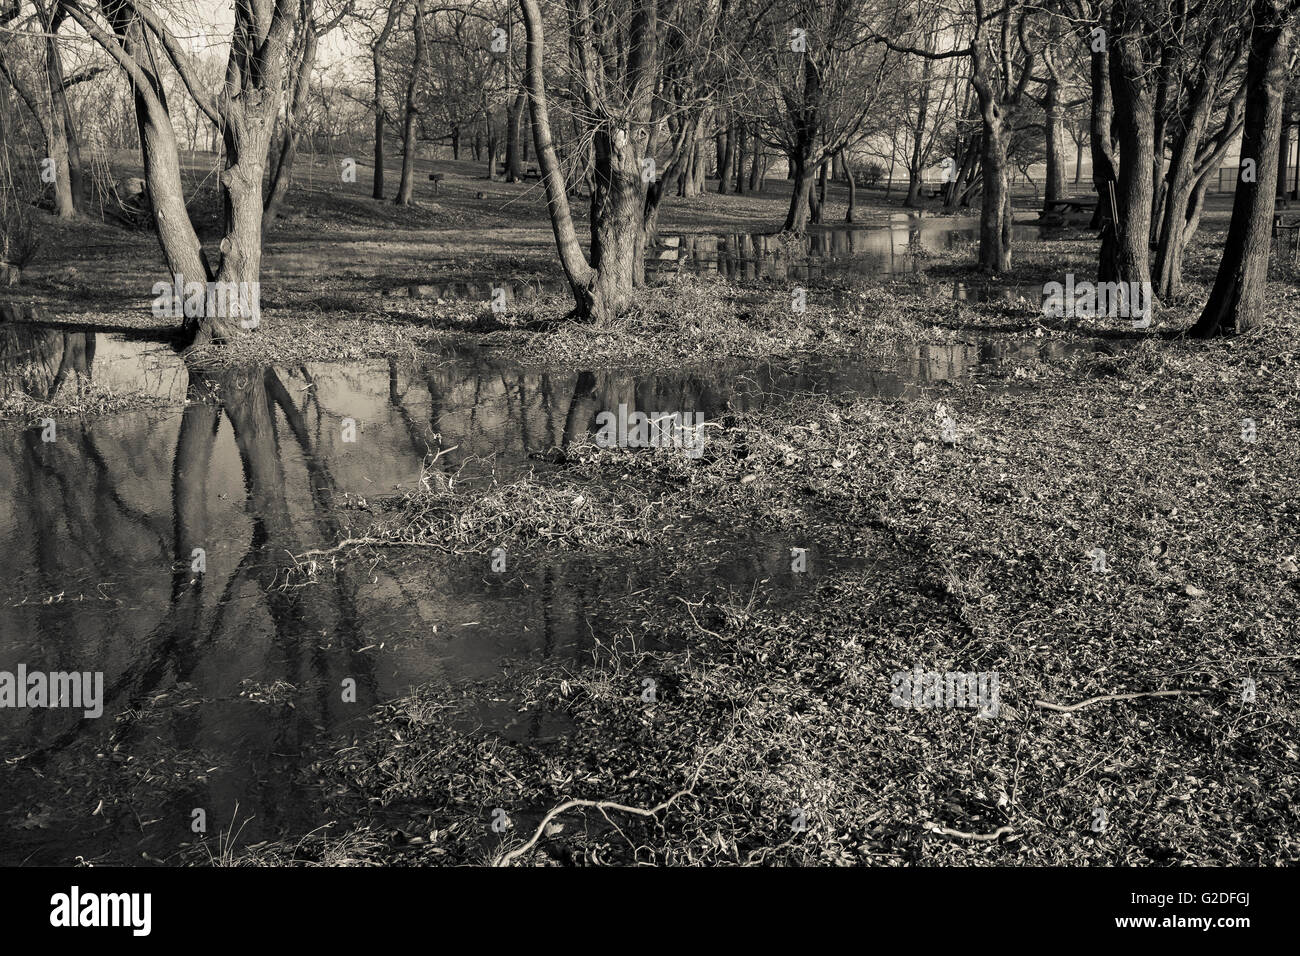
<point x="819" y="207"/>
<point x="282" y="173"/>
<point x="914" y="183"/>
<point x="1184" y="175"/>
<point x="406" y="183"/>
<point x="577" y="270"/>
<point x="756" y="165"/>
<point x="1125" y="250"/>
<point x="961" y="189"/>
<point x="796" y="219"/>
<point x="1165" y="97"/>
<point x="726" y="154"/>
<point x="1284" y="152"/>
<point x="491" y="146"/>
<point x="395" y="8"/>
<point x="377" y="190"/>
<point x="411" y="121"/>
<point x="617" y="205"/>
<point x="853" y="187"/>
<point x="514" y="161"/>
<point x="742" y="145"/>
<point x="247" y="145"/>
<point x="159" y="152"/>
<point x="915" y="164"/>
<point x="62" y="147"/>
<point x="1237" y="299"/>
<point x="1054" y="187"/>
<point x="995" y="213"/>
<point x="1105" y="170"/>
<point x="893" y="161"/>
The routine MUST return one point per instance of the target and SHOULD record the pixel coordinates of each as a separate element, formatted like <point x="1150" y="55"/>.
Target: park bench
<point x="1061" y="210"/>
<point x="436" y="179"/>
<point x="1065" y="206"/>
<point x="530" y="172"/>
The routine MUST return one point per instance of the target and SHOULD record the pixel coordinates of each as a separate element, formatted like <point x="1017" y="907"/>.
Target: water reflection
<point x="841" y="254"/>
<point x="38" y="362"/>
<point x="846" y="256"/>
<point x="221" y="686"/>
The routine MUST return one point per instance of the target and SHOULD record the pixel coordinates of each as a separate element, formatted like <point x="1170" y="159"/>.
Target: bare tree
<point x="411" y="115"/>
<point x="1237" y="299"/>
<point x="45" y="95"/>
<point x="393" y="11"/>
<point x="245" y="112"/>
<point x="303" y="59"/>
<point x="816" y="79"/>
<point x="634" y="72"/>
<point x="1002" y="58"/>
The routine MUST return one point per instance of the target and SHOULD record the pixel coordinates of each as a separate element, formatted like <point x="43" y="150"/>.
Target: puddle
<point x="1025" y="296"/>
<point x="101" y="527"/>
<point x="847" y="255"/>
<point x="850" y="256"/>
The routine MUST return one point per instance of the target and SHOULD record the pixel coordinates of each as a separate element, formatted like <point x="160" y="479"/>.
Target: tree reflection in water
<point x="105" y="522"/>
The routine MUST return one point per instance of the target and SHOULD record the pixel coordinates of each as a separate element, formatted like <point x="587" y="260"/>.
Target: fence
<point x="1229" y="176"/>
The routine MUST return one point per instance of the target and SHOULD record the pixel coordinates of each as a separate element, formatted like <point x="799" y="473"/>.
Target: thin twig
<point x="982" y="837"/>
<point x="603" y="805"/>
<point x="371" y="542"/>
<point x="1070" y="708"/>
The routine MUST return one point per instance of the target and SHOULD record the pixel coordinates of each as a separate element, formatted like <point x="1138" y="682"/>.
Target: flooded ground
<point x="851" y="256"/>
<point x="244" y="663"/>
<point x="152" y="546"/>
<point x="844" y="254"/>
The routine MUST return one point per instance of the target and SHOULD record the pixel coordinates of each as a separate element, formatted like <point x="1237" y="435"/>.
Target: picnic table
<point x="1060" y="212"/>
